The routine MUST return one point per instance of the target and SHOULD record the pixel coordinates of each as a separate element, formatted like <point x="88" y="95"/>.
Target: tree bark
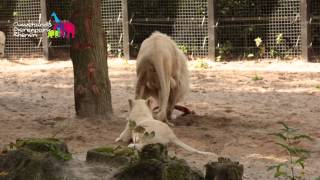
<point x="91" y="80"/>
<point x="224" y="169"/>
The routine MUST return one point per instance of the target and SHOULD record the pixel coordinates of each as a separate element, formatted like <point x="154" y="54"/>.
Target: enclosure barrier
<point x="314" y="20"/>
<point x="218" y="29"/>
<point x="20" y="11"/>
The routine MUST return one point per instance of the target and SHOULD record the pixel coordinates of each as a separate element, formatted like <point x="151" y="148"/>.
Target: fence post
<point x="305" y="29"/>
<point x="44" y="34"/>
<point x="125" y="29"/>
<point x="211" y="30"/>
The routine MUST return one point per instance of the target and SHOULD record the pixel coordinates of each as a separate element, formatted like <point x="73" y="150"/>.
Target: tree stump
<point x="114" y="156"/>
<point x="34" y="159"/>
<point x="154" y="164"/>
<point x="224" y="169"/>
<point x="154" y="151"/>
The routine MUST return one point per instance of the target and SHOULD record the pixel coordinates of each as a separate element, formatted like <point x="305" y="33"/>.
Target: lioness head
<point x="140" y="109"/>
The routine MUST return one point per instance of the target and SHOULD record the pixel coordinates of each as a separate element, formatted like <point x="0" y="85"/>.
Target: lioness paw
<point x="131" y="145"/>
<point x="118" y="140"/>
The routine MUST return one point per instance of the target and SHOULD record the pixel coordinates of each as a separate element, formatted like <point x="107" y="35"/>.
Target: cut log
<point x="224" y="169"/>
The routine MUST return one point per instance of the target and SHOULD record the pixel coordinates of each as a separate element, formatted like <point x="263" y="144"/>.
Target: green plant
<point x="273" y="53"/>
<point x="280" y="39"/>
<point x="288" y="140"/>
<point x="120" y="53"/>
<point x="258" y="41"/>
<point x="224" y="50"/>
<point x="109" y="49"/>
<point x="261" y="46"/>
<point x="183" y="48"/>
<point x="202" y="64"/>
<point x="256" y="77"/>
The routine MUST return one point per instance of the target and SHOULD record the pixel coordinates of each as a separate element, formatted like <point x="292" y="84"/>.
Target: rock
<point x="224" y="169"/>
<point x="40" y="159"/>
<point x="154" y="164"/>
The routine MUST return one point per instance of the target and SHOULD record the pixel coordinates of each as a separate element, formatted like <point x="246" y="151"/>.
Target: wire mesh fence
<point x="244" y="28"/>
<point x="112" y="25"/>
<point x="263" y="29"/>
<point x="185" y="21"/>
<point x="315" y="30"/>
<point x="27" y="11"/>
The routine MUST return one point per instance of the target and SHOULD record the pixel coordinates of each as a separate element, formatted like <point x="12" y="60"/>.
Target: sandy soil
<point x="234" y="114"/>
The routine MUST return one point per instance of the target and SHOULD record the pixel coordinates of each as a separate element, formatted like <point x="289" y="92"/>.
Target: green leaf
<point x="284" y="125"/>
<point x="280" y="135"/>
<point x="300" y="161"/>
<point x="302" y="136"/>
<point x="272" y="167"/>
<point x="258" y="41"/>
<point x="280" y="173"/>
<point x="279" y="38"/>
<point x="299" y="151"/>
<point x="284" y="146"/>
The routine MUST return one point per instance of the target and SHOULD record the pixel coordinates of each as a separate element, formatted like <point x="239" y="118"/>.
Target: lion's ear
<point x="149" y="102"/>
<point x="130" y="103"/>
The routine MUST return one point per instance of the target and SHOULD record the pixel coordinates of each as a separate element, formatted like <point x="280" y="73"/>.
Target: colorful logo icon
<point x="61" y="28"/>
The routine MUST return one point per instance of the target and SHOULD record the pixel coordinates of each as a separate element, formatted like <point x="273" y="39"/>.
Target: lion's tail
<point x="189" y="148"/>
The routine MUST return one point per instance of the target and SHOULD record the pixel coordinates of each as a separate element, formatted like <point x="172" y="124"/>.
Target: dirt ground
<point x="234" y="114"/>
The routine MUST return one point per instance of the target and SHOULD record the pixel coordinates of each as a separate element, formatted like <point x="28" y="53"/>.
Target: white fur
<point x="162" y="73"/>
<point x="141" y="114"/>
<point x="2" y="43"/>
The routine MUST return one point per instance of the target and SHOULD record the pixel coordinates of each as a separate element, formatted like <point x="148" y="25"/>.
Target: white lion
<point x="162" y="73"/>
<point x="144" y="129"/>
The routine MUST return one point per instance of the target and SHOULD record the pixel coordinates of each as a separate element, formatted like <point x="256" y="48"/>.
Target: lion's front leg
<point x="125" y="135"/>
<point x="136" y="146"/>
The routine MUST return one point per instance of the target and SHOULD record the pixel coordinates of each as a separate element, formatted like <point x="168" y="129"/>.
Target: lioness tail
<point x="189" y="148"/>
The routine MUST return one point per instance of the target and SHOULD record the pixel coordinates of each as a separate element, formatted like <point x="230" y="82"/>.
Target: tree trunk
<point x="91" y="80"/>
<point x="224" y="169"/>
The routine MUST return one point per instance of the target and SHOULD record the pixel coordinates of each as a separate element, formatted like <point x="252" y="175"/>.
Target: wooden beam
<point x="43" y="7"/>
<point x="305" y="29"/>
<point x="125" y="29"/>
<point x="211" y="30"/>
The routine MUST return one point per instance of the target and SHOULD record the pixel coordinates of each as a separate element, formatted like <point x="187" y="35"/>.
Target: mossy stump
<point x="154" y="151"/>
<point x="54" y="146"/>
<point x="34" y="159"/>
<point x="224" y="169"/>
<point x="114" y="156"/>
<point x="154" y="164"/>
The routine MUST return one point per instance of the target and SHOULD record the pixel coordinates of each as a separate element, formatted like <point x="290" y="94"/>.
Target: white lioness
<point x="141" y="115"/>
<point x="162" y="73"/>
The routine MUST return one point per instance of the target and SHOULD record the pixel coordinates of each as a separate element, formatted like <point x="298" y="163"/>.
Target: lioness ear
<point x="149" y="102"/>
<point x="130" y="103"/>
